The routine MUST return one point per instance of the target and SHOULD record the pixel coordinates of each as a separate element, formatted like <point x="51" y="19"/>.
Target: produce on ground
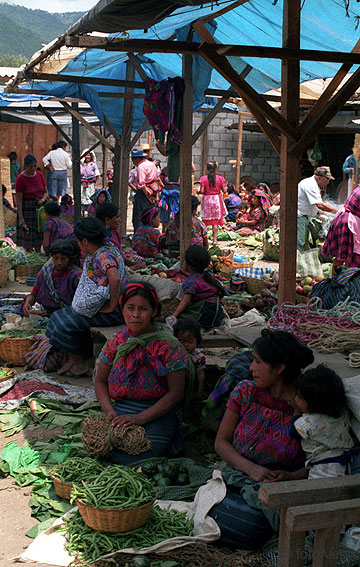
<point x="90" y="544"/>
<point x="166" y="474"/>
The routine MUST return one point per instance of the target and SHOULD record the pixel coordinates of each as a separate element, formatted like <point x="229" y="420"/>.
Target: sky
<point x="57" y="5"/>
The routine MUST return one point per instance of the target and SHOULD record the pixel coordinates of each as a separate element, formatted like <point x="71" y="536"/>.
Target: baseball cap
<point x="323" y="171"/>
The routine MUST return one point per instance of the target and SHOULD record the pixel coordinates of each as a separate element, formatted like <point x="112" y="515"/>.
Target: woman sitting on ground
<point x="233" y="203"/>
<point x="254" y="438"/>
<point x="56" y="282"/>
<point x="55" y="227"/>
<point x="95" y="303"/>
<point x="98" y="198"/>
<point x="254" y="219"/>
<point x="199" y="233"/>
<point x="146" y="239"/>
<point x="109" y="214"/>
<point x="144" y="372"/>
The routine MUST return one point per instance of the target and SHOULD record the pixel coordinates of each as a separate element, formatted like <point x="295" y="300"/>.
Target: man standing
<point x="148" y="184"/>
<point x="310" y="202"/>
<point x="350" y="168"/>
<point x="58" y="161"/>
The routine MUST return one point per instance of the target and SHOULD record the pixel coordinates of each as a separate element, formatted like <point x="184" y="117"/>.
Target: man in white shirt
<point x="58" y="161"/>
<point x="310" y="202"/>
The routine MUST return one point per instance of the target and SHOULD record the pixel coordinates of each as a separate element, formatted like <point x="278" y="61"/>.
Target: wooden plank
<point x="219" y="13"/>
<point x="111" y="129"/>
<point x="204" y="152"/>
<point x="134" y="60"/>
<point x="104" y="164"/>
<point x="324" y="515"/>
<point x="210" y="115"/>
<point x="94" y="146"/>
<point x="186" y="160"/>
<point x="238" y="149"/>
<point x="125" y="143"/>
<point x="138" y="134"/>
<point x="291" y="545"/>
<point x="245" y="91"/>
<point x="117" y="174"/>
<point x="295" y="492"/>
<point x="88" y="126"/>
<point x="326" y="547"/>
<point x="326" y="113"/>
<point x="58" y="128"/>
<point x="220" y="341"/>
<point x="76" y="163"/>
<point x="63" y="78"/>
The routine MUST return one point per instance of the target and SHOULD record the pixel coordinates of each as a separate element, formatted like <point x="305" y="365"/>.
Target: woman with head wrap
<point x="55" y="228"/>
<point x="95" y="303"/>
<point x="146" y="238"/>
<point x="100" y="196"/>
<point x="57" y="281"/>
<point x="343" y="237"/>
<point x="255" y="218"/>
<point x="30" y="187"/>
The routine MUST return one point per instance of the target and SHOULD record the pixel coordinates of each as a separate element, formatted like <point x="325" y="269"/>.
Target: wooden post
<point x="186" y="160"/>
<point x="239" y="147"/>
<point x="116" y="177"/>
<point x="289" y="165"/>
<point x="204" y="151"/>
<point x="104" y="165"/>
<point x="76" y="162"/>
<point x="150" y="141"/>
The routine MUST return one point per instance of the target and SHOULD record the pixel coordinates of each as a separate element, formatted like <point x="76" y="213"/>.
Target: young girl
<point x="213" y="208"/>
<point x="100" y="196"/>
<point x="188" y="332"/>
<point x="233" y="203"/>
<point x="55" y="227"/>
<point x="89" y="177"/>
<point x="254" y="220"/>
<point x="202" y="293"/>
<point x="57" y="281"/>
<point x="199" y="231"/>
<point x="146" y="239"/>
<point x="324" y="425"/>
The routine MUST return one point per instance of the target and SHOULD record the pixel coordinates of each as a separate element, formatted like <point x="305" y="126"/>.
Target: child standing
<point x="324" y="424"/>
<point x="202" y="293"/>
<point x="146" y="238"/>
<point x="188" y="332"/>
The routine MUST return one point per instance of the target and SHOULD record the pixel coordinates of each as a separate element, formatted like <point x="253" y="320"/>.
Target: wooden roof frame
<point x="293" y="138"/>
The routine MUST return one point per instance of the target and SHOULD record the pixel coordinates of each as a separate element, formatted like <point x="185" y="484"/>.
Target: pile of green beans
<point x="89" y="544"/>
<point x="76" y="469"/>
<point x="116" y="487"/>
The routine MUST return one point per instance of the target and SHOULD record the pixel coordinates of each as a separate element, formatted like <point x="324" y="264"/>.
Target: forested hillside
<point x="23" y="31"/>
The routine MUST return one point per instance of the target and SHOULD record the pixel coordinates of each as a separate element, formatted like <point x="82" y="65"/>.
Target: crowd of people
<point x="281" y="421"/>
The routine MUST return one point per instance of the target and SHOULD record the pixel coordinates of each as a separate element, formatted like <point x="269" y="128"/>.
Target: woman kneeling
<point x="144" y="371"/>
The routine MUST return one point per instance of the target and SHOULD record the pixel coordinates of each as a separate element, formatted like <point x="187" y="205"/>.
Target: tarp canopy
<point x="324" y="26"/>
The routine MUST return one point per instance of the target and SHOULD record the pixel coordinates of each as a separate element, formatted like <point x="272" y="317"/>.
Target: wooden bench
<point x="322" y="505"/>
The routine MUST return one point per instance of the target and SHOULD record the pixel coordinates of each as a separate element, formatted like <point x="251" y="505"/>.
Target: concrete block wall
<point x="259" y="159"/>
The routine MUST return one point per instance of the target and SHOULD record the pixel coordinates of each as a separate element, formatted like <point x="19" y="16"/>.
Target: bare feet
<point x="65" y="367"/>
<point x="80" y="369"/>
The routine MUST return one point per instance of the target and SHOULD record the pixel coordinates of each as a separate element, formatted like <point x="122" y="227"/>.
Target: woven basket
<point x="5" y="267"/>
<point x="9" y="217"/>
<point x="168" y="307"/>
<point x="62" y="489"/>
<point x="13" y="350"/>
<point x="10" y="374"/>
<point x="254" y="285"/>
<point x="114" y="520"/>
<point x="301" y="298"/>
<point x="22" y="271"/>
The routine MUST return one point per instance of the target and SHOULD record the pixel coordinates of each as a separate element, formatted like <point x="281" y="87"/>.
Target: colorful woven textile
<point x="59" y="229"/>
<point x="146" y="241"/>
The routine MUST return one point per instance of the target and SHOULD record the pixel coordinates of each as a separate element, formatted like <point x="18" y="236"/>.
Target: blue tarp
<point x="324" y="26"/>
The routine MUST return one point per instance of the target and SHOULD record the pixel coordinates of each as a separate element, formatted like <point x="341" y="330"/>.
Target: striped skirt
<point x="165" y="433"/>
<point x="69" y="332"/>
<point x="33" y="238"/>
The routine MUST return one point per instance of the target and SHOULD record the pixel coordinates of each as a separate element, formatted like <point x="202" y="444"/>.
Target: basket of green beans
<point x="117" y="500"/>
<point x="75" y="469"/>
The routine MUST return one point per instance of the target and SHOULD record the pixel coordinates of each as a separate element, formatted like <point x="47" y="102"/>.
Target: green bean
<point x="76" y="469"/>
<point x="90" y="545"/>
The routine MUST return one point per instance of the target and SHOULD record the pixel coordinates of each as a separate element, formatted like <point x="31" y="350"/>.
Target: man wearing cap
<point x="58" y="161"/>
<point x="148" y="184"/>
<point x="310" y="202"/>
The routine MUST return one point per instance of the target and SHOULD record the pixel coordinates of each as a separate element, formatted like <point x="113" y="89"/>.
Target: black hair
<point x="194" y="203"/>
<point x="143" y="289"/>
<point x="52" y="208"/>
<point x="67" y="247"/>
<point x="323" y="391"/>
<point x="4" y="189"/>
<point x="105" y="191"/>
<point x="211" y="175"/>
<point x="281" y="347"/>
<point x="106" y="210"/>
<point x="231" y="189"/>
<point x="12" y="155"/>
<point x="92" y="229"/>
<point x="188" y="325"/>
<point x="199" y="258"/>
<point x="66" y="199"/>
<point x="30" y="158"/>
<point x="61" y="144"/>
<point x="54" y="146"/>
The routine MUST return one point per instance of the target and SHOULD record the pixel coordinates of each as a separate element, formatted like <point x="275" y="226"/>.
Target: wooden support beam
<point x="238" y="150"/>
<point x="326" y="514"/>
<point x="104" y="162"/>
<point x="264" y="125"/>
<point x="186" y="160"/>
<point x="204" y="152"/>
<point x="117" y="179"/>
<point x="245" y="91"/>
<point x="291" y="545"/>
<point x="94" y="146"/>
<point x="111" y="129"/>
<point x="88" y="126"/>
<point x="289" y="164"/>
<point x="210" y="115"/>
<point x="62" y="78"/>
<point x="76" y="162"/>
<point x="55" y="124"/>
<point x="327" y="113"/>
<point x="138" y="134"/>
<point x="328" y="92"/>
<point x="125" y="144"/>
<point x="134" y="60"/>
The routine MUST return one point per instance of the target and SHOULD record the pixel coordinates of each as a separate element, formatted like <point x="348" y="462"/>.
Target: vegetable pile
<point x="19" y="334"/>
<point x="166" y="474"/>
<point x="116" y="487"/>
<point x="90" y="544"/>
<point x="77" y="469"/>
<point x="5" y="372"/>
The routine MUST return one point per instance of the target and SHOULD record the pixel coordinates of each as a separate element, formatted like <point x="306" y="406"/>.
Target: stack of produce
<point x="166" y="474"/>
<point x="263" y="302"/>
<point x="304" y="285"/>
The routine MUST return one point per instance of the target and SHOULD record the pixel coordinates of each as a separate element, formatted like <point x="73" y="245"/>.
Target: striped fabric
<point x="253" y="272"/>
